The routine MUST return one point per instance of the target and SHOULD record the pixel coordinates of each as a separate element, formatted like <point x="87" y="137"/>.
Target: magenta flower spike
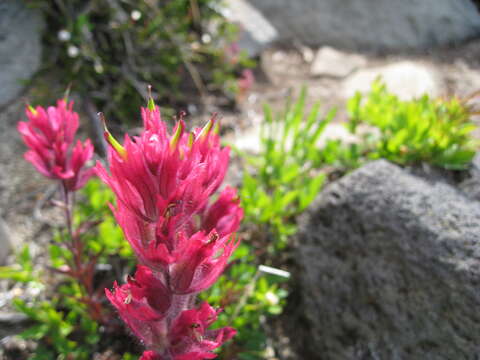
<point x="164" y="183"/>
<point x="190" y="338"/>
<point x="49" y="135"/>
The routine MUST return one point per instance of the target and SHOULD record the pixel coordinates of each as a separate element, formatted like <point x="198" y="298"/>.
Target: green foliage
<point x="110" y="50"/>
<point x="342" y="157"/>
<point x="107" y="238"/>
<point x="63" y="328"/>
<point x="246" y="297"/>
<point x="434" y="131"/>
<point x="285" y="179"/>
<point x="69" y="334"/>
<point x="67" y="325"/>
<point x="22" y="271"/>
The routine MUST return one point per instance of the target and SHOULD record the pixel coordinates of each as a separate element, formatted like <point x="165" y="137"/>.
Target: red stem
<point x="83" y="274"/>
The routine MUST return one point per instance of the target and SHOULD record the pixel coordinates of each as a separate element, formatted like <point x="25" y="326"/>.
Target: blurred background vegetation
<point x="109" y="51"/>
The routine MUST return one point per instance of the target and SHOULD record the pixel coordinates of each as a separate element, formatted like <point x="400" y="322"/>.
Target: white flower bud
<point x="135" y="15"/>
<point x="64" y="35"/>
<point x="73" y="51"/>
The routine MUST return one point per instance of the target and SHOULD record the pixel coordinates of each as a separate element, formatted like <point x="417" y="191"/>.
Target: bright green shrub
<point x="434" y="131"/>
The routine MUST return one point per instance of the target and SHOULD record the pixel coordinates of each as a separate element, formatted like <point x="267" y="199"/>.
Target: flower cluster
<point x="164" y="184"/>
<point x="49" y="135"/>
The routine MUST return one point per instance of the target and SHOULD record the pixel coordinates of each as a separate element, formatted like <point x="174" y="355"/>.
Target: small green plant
<point x="340" y="157"/>
<point x="67" y="334"/>
<point x="60" y="334"/>
<point x="434" y="131"/>
<point x="22" y="271"/>
<point x="285" y="177"/>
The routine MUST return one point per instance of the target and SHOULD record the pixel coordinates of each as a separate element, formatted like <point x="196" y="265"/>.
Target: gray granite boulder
<point x="372" y="24"/>
<point x="20" y="47"/>
<point x="390" y="269"/>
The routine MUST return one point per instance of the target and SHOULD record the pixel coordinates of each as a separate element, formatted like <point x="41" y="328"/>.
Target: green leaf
<point x="24" y="258"/>
<point x="312" y="190"/>
<point x="35" y="332"/>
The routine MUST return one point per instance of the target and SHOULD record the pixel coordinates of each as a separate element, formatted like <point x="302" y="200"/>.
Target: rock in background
<point x="5" y="242"/>
<point x="256" y="33"/>
<point x="20" y="47"/>
<point x="372" y="24"/>
<point x="331" y="62"/>
<point x="406" y="79"/>
<point x="390" y="269"/>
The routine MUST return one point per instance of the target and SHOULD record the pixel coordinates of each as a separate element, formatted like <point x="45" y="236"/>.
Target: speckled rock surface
<point x="20" y="47"/>
<point x="5" y="242"/>
<point x="390" y="269"/>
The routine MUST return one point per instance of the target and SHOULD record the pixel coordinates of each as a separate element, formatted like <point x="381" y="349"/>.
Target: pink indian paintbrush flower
<point x="164" y="184"/>
<point x="49" y="134"/>
<point x="142" y="303"/>
<point x="190" y="338"/>
<point x="160" y="244"/>
<point x="159" y="165"/>
<point x="145" y="306"/>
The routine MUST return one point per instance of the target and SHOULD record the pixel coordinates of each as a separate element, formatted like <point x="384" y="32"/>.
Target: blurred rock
<point x="331" y="62"/>
<point x="471" y="185"/>
<point x="390" y="269"/>
<point x="5" y="243"/>
<point x="462" y="79"/>
<point x="256" y="32"/>
<point x="20" y="47"/>
<point x="372" y="24"/>
<point x="406" y="79"/>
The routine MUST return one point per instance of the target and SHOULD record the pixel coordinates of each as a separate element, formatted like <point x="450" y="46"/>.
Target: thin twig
<point x="92" y="112"/>
<point x="196" y="13"/>
<point x="67" y="210"/>
<point x="37" y="210"/>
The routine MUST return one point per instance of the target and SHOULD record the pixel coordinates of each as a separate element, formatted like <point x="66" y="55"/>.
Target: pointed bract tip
<point x="150" y="103"/>
<point x="32" y="110"/>
<point x="110" y="139"/>
<point x="191" y="139"/>
<point x="177" y="135"/>
<point x="207" y="128"/>
<point x="182" y="115"/>
<point x="67" y="92"/>
<point x="216" y="128"/>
